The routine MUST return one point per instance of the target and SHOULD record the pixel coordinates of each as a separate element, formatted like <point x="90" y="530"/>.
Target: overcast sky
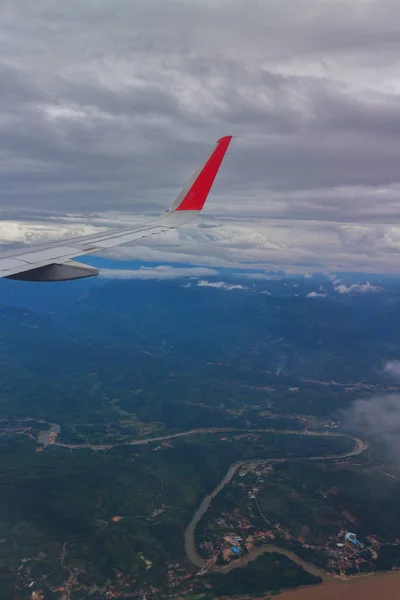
<point x="108" y="106"/>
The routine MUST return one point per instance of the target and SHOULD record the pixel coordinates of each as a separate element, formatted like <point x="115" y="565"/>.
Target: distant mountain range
<point x="264" y="325"/>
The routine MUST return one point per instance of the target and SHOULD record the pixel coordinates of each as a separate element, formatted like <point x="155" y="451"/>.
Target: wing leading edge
<point x="53" y="262"/>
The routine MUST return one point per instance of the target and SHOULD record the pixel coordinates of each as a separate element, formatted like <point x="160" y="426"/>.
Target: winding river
<point x="49" y="437"/>
<point x="367" y="587"/>
<point x="190" y="545"/>
<point x="196" y="559"/>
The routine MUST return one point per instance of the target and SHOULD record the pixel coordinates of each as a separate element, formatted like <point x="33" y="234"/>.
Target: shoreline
<point x="368" y="586"/>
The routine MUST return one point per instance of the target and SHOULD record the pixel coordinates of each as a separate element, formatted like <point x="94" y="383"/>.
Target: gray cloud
<point x="106" y="109"/>
<point x="379" y="417"/>
<point x="393" y="367"/>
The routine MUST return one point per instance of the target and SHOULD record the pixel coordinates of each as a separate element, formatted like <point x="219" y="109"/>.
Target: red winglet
<point x="197" y="194"/>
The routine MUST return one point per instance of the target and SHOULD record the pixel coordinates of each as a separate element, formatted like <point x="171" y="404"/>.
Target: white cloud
<point x="159" y="272"/>
<point x="273" y="246"/>
<point x="266" y="276"/>
<point x="393" y="367"/>
<point x="12" y="232"/>
<point x="316" y="295"/>
<point x="379" y="416"/>
<point x="355" y="288"/>
<point x="221" y="285"/>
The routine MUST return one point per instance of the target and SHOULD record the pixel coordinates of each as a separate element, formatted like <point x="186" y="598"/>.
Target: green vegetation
<point x="111" y="362"/>
<point x="367" y="494"/>
<point x="57" y="495"/>
<point x="314" y="505"/>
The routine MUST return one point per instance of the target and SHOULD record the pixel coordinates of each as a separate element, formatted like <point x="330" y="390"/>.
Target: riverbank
<point x="189" y="536"/>
<point x="55" y="430"/>
<point x="50" y="437"/>
<point x="196" y="559"/>
<point x="270" y="549"/>
<point x="368" y="587"/>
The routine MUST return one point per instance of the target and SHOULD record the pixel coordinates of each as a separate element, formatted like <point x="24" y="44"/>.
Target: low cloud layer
<point x="272" y="245"/>
<point x="160" y="272"/>
<point x="379" y="417"/>
<point x="106" y="111"/>
<point x="393" y="368"/>
<point x="220" y="285"/>
<point x="355" y="288"/>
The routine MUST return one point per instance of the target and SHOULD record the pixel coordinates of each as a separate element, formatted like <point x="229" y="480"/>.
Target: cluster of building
<point x="345" y="553"/>
<point x="177" y="576"/>
<point x="233" y="534"/>
<point x="342" y="554"/>
<point x="259" y="469"/>
<point x="12" y="428"/>
<point x="26" y="580"/>
<point x="236" y="536"/>
<point x="124" y="586"/>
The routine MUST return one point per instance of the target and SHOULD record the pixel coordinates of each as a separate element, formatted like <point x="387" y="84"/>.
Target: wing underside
<point x="54" y="261"/>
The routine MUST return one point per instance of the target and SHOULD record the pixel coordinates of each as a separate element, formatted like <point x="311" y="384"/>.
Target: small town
<point x="124" y="586"/>
<point x="232" y="535"/>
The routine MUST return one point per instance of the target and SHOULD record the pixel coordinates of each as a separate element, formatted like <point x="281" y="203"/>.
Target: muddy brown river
<point x="384" y="586"/>
<point x="369" y="587"/>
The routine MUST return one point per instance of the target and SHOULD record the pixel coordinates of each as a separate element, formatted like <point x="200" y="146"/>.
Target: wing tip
<point x="197" y="194"/>
<point x="225" y="139"/>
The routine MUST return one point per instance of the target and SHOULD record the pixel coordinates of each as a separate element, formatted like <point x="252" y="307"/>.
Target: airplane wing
<point x="53" y="261"/>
